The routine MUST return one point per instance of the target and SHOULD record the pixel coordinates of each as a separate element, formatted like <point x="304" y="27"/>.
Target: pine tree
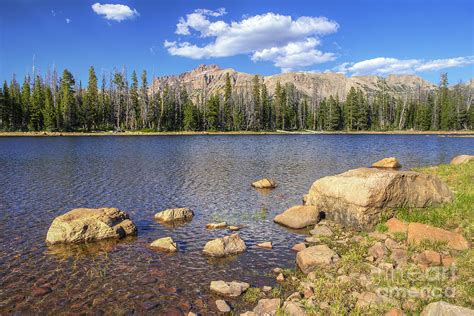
<point x="37" y="104"/>
<point x="67" y="101"/>
<point x="255" y="115"/>
<point x="362" y="112"/>
<point x="212" y="113"/>
<point x="5" y="107"/>
<point x="266" y="109"/>
<point x="91" y="101"/>
<point x="144" y="101"/>
<point x="25" y="102"/>
<point x="135" y="101"/>
<point x="49" y="115"/>
<point x="227" y="116"/>
<point x="350" y="107"/>
<point x="447" y="114"/>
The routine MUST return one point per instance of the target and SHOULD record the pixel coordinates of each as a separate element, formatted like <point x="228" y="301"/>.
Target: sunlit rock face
<point x="358" y="197"/>
<point x="90" y="224"/>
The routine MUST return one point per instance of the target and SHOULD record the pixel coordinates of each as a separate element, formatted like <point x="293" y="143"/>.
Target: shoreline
<point x="278" y="132"/>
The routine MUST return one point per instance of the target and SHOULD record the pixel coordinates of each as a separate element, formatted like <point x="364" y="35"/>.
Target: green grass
<point x="252" y="295"/>
<point x="459" y="213"/>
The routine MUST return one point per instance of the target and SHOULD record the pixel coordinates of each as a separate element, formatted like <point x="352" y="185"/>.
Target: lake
<point x="41" y="178"/>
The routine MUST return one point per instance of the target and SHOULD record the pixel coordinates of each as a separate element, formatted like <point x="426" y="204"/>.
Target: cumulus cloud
<point x="68" y="20"/>
<point x="289" y="43"/>
<point x="116" y="12"/>
<point x="382" y="66"/>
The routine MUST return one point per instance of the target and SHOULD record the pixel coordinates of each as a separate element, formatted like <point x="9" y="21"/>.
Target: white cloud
<point x="116" y="12"/>
<point x="68" y="20"/>
<point x="383" y="66"/>
<point x="288" y="43"/>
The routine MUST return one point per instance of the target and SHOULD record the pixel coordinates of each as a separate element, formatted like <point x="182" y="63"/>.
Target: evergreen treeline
<point x="62" y="104"/>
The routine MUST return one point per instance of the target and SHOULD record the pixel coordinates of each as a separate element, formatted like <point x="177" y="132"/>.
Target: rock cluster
<point x="231" y="289"/>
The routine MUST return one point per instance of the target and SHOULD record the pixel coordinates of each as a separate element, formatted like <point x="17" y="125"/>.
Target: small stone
<point x="277" y="270"/>
<point x="390" y="162"/>
<point x="321" y="230"/>
<point x="344" y="279"/>
<point x="165" y="244"/>
<point x="234" y="228"/>
<point x="232" y="289"/>
<point x="41" y="290"/>
<point x="418" y="232"/>
<point x="175" y="214"/>
<point x="192" y="314"/>
<point x="216" y="225"/>
<point x="399" y="256"/>
<point x="370" y="258"/>
<point x="264" y="184"/>
<point x="266" y="288"/>
<point x="312" y="240"/>
<point x="225" y="246"/>
<point x="222" y="306"/>
<point x="315" y="256"/>
<point x="293" y="309"/>
<point x="378" y="250"/>
<point x="428" y="258"/>
<point x="299" y="246"/>
<point x="392" y="244"/>
<point x="267" y="307"/>
<point x="280" y="277"/>
<point x="266" y="245"/>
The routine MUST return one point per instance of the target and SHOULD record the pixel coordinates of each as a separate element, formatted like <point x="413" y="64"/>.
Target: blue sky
<point x="264" y="37"/>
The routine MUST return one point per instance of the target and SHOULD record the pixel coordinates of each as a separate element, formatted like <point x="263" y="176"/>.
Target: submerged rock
<point x="458" y="160"/>
<point x="358" y="197"/>
<point x="216" y="225"/>
<point x="266" y="245"/>
<point x="299" y="216"/>
<point x="418" y="232"/>
<point x="443" y="308"/>
<point x="264" y="184"/>
<point x="165" y="244"/>
<point x="390" y="162"/>
<point x="90" y="224"/>
<point x="228" y="245"/>
<point x="232" y="289"/>
<point x="315" y="256"/>
<point x="174" y="214"/>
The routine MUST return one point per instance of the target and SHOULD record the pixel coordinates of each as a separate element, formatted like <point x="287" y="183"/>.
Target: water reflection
<point x="41" y="178"/>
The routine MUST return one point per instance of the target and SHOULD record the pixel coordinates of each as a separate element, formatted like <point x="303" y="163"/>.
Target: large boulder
<point x="315" y="256"/>
<point x="390" y="162"/>
<point x="458" y="160"/>
<point x="445" y="309"/>
<point x="90" y="224"/>
<point x="225" y="246"/>
<point x="356" y="198"/>
<point x="232" y="289"/>
<point x="418" y="232"/>
<point x="299" y="216"/>
<point x="264" y="184"/>
<point x="174" y="214"/>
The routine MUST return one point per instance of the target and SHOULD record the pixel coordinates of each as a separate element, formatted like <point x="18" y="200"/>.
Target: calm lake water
<point x="41" y="178"/>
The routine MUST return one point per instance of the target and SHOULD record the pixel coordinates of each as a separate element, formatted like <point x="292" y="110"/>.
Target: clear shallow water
<point x="41" y="178"/>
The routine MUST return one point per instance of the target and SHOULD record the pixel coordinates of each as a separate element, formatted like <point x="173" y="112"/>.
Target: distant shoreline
<point x="190" y="133"/>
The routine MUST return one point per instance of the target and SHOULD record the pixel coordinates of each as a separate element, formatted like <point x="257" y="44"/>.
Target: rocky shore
<point x="379" y="243"/>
